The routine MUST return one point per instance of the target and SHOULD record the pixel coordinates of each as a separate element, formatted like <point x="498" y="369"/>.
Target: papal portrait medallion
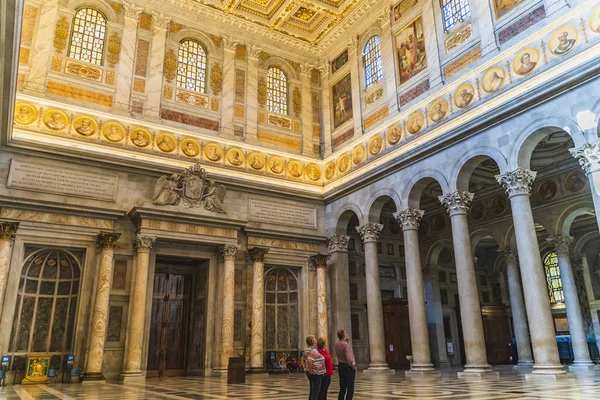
<point x="313" y="172"/>
<point x="526" y="61"/>
<point x="493" y="79"/>
<point x="394" y="134"/>
<point x="464" y="96"/>
<point x="213" y="152"/>
<point x="55" y="120"/>
<point x="375" y="145"/>
<point x="189" y="148"/>
<point x="166" y="143"/>
<point x="25" y="114"/>
<point x="85" y="126"/>
<point x="113" y="132"/>
<point x="256" y="161"/>
<point x="358" y="155"/>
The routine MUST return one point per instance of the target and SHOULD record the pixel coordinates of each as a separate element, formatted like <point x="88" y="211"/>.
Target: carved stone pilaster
<point x="588" y="156"/>
<point x="383" y="19"/>
<point x="143" y="243"/>
<point x="107" y="240"/>
<point x="160" y="22"/>
<point x="253" y="51"/>
<point x="457" y="202"/>
<point x="324" y="68"/>
<point x="229" y="43"/>
<point x="517" y="182"/>
<point x="306" y="69"/>
<point x="352" y="44"/>
<point x="409" y="219"/>
<point x="509" y="254"/>
<point x="370" y="231"/>
<point x="320" y="260"/>
<point x="431" y="270"/>
<point x="562" y="244"/>
<point x="131" y="11"/>
<point x="338" y="243"/>
<point x="228" y="251"/>
<point x="257" y="253"/>
<point x="8" y="230"/>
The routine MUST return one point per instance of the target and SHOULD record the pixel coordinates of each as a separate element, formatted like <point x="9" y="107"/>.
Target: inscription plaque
<point x="50" y="179"/>
<point x="282" y="214"/>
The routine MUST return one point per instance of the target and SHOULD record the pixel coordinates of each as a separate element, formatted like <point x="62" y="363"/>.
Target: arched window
<point x="191" y="66"/>
<point x="277" y="91"/>
<point x="555" y="288"/>
<point x="281" y="316"/>
<point x="455" y="11"/>
<point x="88" y="36"/>
<point x="372" y="62"/>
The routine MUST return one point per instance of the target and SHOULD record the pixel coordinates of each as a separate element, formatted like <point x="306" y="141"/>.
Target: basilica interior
<point x="189" y="187"/>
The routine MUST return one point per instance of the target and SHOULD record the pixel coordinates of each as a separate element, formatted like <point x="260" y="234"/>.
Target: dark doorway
<point x="397" y="333"/>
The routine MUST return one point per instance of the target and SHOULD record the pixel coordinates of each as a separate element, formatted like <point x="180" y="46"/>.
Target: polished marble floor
<point x="509" y="385"/>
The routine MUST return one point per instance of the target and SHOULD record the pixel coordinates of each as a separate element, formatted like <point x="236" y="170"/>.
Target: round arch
<point x="343" y="217"/>
<point x="583" y="241"/>
<point x="565" y="219"/>
<point x="193" y="34"/>
<point x="100" y="5"/>
<point x="433" y="252"/>
<point x="466" y="165"/>
<point x="479" y="234"/>
<point x="415" y="187"/>
<point x="380" y="198"/>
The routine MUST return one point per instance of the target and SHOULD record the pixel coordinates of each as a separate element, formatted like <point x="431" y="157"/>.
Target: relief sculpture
<point x="192" y="188"/>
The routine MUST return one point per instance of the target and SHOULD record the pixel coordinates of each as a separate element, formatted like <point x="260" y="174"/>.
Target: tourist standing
<point x="321" y="343"/>
<point x="346" y="365"/>
<point x="314" y="366"/>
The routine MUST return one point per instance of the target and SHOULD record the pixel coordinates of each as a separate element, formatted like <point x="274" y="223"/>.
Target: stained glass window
<point x="87" y="37"/>
<point x="277" y="91"/>
<point x="191" y="66"/>
<point x="281" y="295"/>
<point x="455" y="11"/>
<point x="555" y="288"/>
<point x="372" y="62"/>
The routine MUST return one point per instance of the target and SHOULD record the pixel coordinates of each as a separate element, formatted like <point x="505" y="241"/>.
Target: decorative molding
<point x="131" y="11"/>
<point x="86" y="71"/>
<point x="370" y="231"/>
<point x="297" y="102"/>
<point x="61" y="34"/>
<point x="143" y="243"/>
<point x="409" y="219"/>
<point x="257" y="254"/>
<point x="107" y="240"/>
<point x="457" y="203"/>
<point x="588" y="156"/>
<point x="517" y="182"/>
<point x="319" y="260"/>
<point x="216" y="79"/>
<point x="459" y="37"/>
<point x="561" y="244"/>
<point x="170" y="66"/>
<point x="8" y="230"/>
<point x="160" y="22"/>
<point x="114" y="49"/>
<point x="338" y="243"/>
<point x="228" y="251"/>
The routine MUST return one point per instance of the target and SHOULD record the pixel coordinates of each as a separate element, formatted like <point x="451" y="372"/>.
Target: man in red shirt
<point x="346" y="365"/>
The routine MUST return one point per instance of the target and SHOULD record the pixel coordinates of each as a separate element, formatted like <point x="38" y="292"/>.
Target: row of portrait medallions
<point x="85" y="127"/>
<point x="493" y="80"/>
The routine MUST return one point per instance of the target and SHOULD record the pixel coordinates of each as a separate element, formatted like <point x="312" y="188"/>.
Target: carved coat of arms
<point x="191" y="188"/>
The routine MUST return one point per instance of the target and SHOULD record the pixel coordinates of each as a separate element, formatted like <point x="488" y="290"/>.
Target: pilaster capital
<point x="257" y="253"/>
<point x="383" y="19"/>
<point x="509" y="254"/>
<point x="253" y="51"/>
<point x="457" y="202"/>
<point x="431" y="270"/>
<point x="107" y="240"/>
<point x="230" y="43"/>
<point x="370" y="231"/>
<point x="228" y="251"/>
<point x="319" y="260"/>
<point x="306" y="69"/>
<point x="517" y="182"/>
<point x="409" y="219"/>
<point x="561" y="244"/>
<point x="160" y="22"/>
<point x="143" y="244"/>
<point x="8" y="230"/>
<point x="324" y="68"/>
<point x="131" y="11"/>
<point x="338" y="243"/>
<point x="352" y="44"/>
<point x="588" y="156"/>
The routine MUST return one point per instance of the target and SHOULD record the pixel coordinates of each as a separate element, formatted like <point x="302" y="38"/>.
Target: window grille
<point x="552" y="270"/>
<point x="277" y="91"/>
<point x="88" y="36"/>
<point x="455" y="11"/>
<point x="191" y="66"/>
<point x="372" y="62"/>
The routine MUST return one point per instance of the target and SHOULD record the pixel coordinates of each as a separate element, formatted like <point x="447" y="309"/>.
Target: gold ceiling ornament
<point x="262" y="91"/>
<point x="61" y="33"/>
<point x="297" y="99"/>
<point x="304" y="14"/>
<point x="170" y="66"/>
<point x="114" y="49"/>
<point x="216" y="79"/>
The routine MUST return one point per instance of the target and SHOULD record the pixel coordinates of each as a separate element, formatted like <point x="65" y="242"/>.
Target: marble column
<point x="95" y="353"/>
<point x="435" y="316"/>
<point x="126" y="61"/>
<point x="354" y="61"/>
<point x="483" y="15"/>
<point x="8" y="231"/>
<point x="228" y="95"/>
<point x="517" y="308"/>
<point x="457" y="204"/>
<point x="307" y="113"/>
<point x="581" y="351"/>
<point x="409" y="219"/>
<point x="154" y="83"/>
<point x="339" y="278"/>
<point x="430" y="10"/>
<point x="320" y="262"/>
<point x="137" y="314"/>
<point x="253" y="53"/>
<point x="387" y="58"/>
<point x="257" y="361"/>
<point x="325" y="108"/>
<point x="369" y="233"/>
<point x="313" y="305"/>
<point x="228" y="252"/>
<point x="43" y="48"/>
<point x="588" y="156"/>
<point x="517" y="184"/>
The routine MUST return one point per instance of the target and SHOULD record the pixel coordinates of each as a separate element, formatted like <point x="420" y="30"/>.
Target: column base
<point x="379" y="369"/>
<point x="222" y="372"/>
<point x="581" y="366"/>
<point x="132" y="376"/>
<point x="523" y="366"/>
<point x="547" y="372"/>
<point x="93" y="377"/>
<point x="422" y="371"/>
<point x="478" y="371"/>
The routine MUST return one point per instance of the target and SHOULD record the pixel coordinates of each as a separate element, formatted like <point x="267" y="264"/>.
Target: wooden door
<point x="167" y="353"/>
<point x="397" y="333"/>
<point x="497" y="334"/>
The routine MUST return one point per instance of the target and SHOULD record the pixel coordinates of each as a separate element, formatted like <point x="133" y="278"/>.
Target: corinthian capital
<point x="160" y="21"/>
<point x="383" y="18"/>
<point x="143" y="243"/>
<point x="8" y="230"/>
<point x="517" y="182"/>
<point x="370" y="231"/>
<point x="131" y="11"/>
<point x="352" y="44"/>
<point x="561" y="244"/>
<point x="338" y="243"/>
<point x="509" y="254"/>
<point x="107" y="240"/>
<point x="230" y="43"/>
<point x="588" y="156"/>
<point x="253" y="51"/>
<point x="228" y="251"/>
<point x="306" y="69"/>
<point x="457" y="202"/>
<point x="319" y="260"/>
<point x="258" y="253"/>
<point x="432" y="271"/>
<point x="409" y="219"/>
<point x="324" y="68"/>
